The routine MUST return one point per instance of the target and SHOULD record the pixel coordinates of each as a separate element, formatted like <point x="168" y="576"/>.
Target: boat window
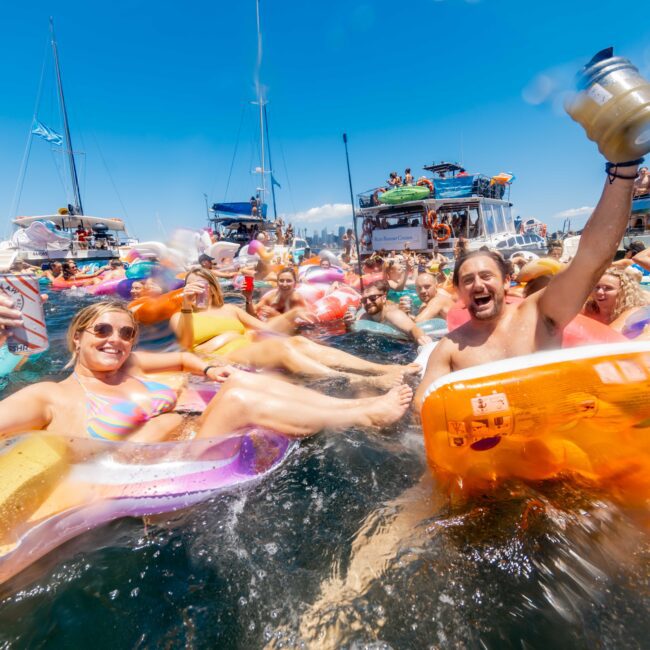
<point x="473" y="221"/>
<point x="529" y="239"/>
<point x="511" y="242"/>
<point x="502" y="244"/>
<point x="488" y="216"/>
<point x="520" y="240"/>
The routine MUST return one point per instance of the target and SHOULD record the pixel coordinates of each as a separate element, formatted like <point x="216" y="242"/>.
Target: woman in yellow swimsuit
<point x="110" y="396"/>
<point x="209" y="326"/>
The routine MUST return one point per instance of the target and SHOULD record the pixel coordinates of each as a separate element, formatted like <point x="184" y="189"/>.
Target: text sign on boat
<point x="398" y="239"/>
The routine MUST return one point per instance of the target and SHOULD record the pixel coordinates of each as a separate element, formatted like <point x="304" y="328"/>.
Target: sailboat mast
<point x="68" y="140"/>
<point x="268" y="140"/>
<point x="260" y="100"/>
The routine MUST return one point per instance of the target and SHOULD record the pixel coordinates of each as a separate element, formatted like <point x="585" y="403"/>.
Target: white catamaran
<point x="69" y="233"/>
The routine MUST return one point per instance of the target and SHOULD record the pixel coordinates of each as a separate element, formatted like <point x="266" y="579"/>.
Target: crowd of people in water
<point x="244" y="347"/>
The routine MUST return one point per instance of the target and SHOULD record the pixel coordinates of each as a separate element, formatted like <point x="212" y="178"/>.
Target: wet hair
<point x="381" y="285"/>
<point x="290" y="271"/>
<point x="216" y="295"/>
<point x="630" y="294"/>
<point x="88" y="315"/>
<point x="497" y="258"/>
<point x="67" y="269"/>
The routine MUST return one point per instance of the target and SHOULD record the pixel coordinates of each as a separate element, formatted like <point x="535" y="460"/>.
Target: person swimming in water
<point x="280" y="300"/>
<point x="436" y="302"/>
<point x="209" y="326"/>
<point x="109" y="395"/>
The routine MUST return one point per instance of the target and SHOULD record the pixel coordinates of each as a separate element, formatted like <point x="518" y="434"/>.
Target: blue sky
<point x="156" y="92"/>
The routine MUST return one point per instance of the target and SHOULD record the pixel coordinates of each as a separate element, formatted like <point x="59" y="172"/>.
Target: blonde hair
<point x="86" y="316"/>
<point x="216" y="295"/>
<point x="629" y="295"/>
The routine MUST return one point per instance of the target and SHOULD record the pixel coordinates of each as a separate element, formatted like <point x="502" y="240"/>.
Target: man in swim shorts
<point x="377" y="308"/>
<point x="497" y="330"/>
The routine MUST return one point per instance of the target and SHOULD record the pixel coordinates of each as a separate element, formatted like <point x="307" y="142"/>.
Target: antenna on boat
<point x="78" y="207"/>
<point x="354" y="214"/>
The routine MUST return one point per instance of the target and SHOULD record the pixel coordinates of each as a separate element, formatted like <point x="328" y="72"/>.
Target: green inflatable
<point x="403" y="194"/>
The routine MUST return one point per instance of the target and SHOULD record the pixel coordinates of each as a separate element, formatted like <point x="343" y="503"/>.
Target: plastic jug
<point x="613" y="106"/>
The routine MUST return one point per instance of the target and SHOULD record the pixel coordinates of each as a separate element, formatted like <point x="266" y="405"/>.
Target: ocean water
<point x="349" y="544"/>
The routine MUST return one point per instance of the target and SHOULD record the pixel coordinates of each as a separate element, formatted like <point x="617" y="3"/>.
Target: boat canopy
<point x="238" y="208"/>
<point x="72" y="221"/>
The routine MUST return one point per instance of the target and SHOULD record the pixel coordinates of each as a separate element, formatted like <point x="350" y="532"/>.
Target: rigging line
<point x="286" y="175"/>
<point x="234" y="155"/>
<point x="110" y="176"/>
<point x="28" y="145"/>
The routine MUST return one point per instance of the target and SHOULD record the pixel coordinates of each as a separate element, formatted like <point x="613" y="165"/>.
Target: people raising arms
<point x="497" y="330"/>
<point x="109" y="395"/>
<point x="209" y="326"/>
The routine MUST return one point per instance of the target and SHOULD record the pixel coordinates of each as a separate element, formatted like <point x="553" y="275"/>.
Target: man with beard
<point x="497" y="330"/>
<point x="377" y="308"/>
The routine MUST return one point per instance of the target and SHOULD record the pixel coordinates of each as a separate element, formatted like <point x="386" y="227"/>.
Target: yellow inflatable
<point x="582" y="411"/>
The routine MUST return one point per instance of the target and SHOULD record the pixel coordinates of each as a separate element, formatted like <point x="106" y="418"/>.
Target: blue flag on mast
<point x="274" y="182"/>
<point x="46" y="133"/>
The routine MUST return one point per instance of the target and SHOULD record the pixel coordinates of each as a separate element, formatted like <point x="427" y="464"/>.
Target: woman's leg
<point x="338" y="359"/>
<point x="240" y="403"/>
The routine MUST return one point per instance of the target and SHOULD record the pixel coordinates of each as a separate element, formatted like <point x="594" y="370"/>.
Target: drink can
<point x="24" y="291"/>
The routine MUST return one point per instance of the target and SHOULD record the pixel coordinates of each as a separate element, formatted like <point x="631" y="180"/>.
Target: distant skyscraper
<point x="341" y="231"/>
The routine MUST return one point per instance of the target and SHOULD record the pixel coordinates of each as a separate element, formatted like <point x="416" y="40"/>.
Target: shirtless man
<point x="435" y="303"/>
<point x="642" y="183"/>
<point x="497" y="330"/>
<point x="378" y="309"/>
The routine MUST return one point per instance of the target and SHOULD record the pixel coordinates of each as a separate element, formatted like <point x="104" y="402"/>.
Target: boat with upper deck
<point x="458" y="204"/>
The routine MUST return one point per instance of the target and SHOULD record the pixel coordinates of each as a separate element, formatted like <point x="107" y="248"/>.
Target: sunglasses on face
<point x="104" y="330"/>
<point x="373" y="298"/>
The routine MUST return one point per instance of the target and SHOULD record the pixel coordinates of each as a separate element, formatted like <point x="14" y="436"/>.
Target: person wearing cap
<point x="207" y="262"/>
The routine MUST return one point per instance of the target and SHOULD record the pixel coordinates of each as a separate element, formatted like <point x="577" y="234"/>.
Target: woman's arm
<point x="182" y="325"/>
<point x="170" y="361"/>
<point x="248" y="321"/>
<point x="27" y="409"/>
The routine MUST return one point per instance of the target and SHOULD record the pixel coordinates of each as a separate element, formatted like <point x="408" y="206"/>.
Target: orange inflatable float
<point x="155" y="309"/>
<point x="582" y="411"/>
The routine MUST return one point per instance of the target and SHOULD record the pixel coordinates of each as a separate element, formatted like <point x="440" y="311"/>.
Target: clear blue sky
<point x="155" y="92"/>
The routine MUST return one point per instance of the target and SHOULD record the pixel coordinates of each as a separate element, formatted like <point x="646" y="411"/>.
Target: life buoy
<point x="427" y="182"/>
<point x="430" y="219"/>
<point x="441" y="232"/>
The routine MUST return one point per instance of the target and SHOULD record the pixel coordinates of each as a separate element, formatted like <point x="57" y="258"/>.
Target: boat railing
<point x="455" y="187"/>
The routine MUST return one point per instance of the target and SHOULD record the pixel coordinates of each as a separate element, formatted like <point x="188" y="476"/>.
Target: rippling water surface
<point x="348" y="544"/>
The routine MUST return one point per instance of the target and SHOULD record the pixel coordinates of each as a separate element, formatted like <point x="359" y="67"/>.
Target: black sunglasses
<point x="104" y="330"/>
<point x="373" y="298"/>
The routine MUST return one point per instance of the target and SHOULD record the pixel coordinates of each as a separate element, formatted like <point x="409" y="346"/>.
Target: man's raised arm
<point x="567" y="291"/>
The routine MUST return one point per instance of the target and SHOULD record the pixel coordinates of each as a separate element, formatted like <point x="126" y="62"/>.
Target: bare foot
<point x="389" y="408"/>
<point x="408" y="369"/>
<point x="380" y="382"/>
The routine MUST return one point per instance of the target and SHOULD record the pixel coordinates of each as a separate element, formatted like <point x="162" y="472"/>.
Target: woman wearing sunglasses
<point x="109" y="395"/>
<point x="208" y="326"/>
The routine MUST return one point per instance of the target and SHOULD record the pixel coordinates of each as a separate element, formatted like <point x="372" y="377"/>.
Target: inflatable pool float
<point x="334" y="305"/>
<point x="368" y="279"/>
<point x="59" y="284"/>
<point x="583" y="411"/>
<point x="8" y="361"/>
<point x="154" y="309"/>
<point x="405" y="193"/>
<point x="435" y="328"/>
<point x="317" y="274"/>
<point x="47" y="497"/>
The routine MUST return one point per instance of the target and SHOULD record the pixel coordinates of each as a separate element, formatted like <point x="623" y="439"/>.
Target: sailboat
<point x="43" y="238"/>
<point x="236" y="221"/>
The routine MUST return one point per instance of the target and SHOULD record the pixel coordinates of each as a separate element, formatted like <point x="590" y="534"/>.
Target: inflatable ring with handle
<point x="441" y="232"/>
<point x="427" y="182"/>
<point x="431" y="219"/>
